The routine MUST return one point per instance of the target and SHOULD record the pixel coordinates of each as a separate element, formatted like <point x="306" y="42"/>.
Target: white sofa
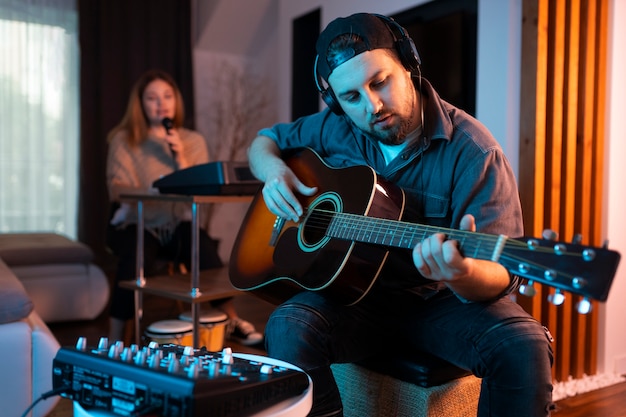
<point x="57" y="274"/>
<point x="44" y="278"/>
<point x="27" y="348"/>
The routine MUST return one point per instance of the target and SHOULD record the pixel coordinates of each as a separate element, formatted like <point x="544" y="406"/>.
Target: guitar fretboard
<point x="400" y="234"/>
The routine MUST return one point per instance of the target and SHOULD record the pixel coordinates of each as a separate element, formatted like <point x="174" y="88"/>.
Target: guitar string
<point x="382" y="226"/>
<point x="322" y="220"/>
<point x="533" y="271"/>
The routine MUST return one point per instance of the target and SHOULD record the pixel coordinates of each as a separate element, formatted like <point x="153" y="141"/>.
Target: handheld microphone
<point x="168" y="124"/>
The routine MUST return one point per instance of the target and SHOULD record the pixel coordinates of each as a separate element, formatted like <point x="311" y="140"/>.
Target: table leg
<point x="139" y="272"/>
<point x="195" y="274"/>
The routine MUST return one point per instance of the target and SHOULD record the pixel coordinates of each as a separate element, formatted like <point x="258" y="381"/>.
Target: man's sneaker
<point x="243" y="332"/>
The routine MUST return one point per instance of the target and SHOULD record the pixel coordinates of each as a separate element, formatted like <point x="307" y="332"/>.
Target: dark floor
<point x="605" y="402"/>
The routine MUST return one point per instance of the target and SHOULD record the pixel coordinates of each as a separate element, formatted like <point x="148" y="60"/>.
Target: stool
<point x="420" y="386"/>
<point x="57" y="274"/>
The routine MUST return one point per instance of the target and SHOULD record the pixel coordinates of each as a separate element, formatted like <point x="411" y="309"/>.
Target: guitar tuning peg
<point x="549" y="234"/>
<point x="577" y="239"/>
<point x="557" y="298"/>
<point x="584" y="306"/>
<point x="527" y="289"/>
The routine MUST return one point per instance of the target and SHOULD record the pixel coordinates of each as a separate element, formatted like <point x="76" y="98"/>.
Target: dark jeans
<point x="497" y="341"/>
<point x="123" y="243"/>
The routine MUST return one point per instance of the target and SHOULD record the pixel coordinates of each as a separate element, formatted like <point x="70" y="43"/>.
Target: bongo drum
<point x="177" y="332"/>
<point x="212" y="327"/>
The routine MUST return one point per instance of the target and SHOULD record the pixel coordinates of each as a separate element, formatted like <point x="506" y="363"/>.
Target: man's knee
<point x="295" y="327"/>
<point x="520" y="347"/>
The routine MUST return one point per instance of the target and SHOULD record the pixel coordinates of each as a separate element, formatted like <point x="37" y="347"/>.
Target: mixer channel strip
<point x="171" y="380"/>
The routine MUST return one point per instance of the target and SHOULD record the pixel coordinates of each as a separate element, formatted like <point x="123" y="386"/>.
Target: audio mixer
<point x="171" y="380"/>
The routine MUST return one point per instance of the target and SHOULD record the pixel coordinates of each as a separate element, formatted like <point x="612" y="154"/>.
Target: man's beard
<point x="395" y="135"/>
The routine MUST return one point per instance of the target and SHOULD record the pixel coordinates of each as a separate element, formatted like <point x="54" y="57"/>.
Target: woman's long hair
<point x="135" y="122"/>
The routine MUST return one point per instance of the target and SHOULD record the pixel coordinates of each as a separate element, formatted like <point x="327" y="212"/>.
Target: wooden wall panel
<point x="561" y="148"/>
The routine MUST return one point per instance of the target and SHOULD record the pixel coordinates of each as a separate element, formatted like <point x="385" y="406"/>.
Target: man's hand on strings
<point x="439" y="258"/>
<point x="279" y="193"/>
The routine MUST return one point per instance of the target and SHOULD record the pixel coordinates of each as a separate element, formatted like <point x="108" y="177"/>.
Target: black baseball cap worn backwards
<point x="374" y="32"/>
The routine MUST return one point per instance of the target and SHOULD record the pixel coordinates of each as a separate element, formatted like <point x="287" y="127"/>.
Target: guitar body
<point x="276" y="260"/>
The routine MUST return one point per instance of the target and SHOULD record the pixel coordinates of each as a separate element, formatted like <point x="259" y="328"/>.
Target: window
<point x="39" y="116"/>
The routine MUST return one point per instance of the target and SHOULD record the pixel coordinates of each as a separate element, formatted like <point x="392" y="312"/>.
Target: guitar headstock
<point x="580" y="269"/>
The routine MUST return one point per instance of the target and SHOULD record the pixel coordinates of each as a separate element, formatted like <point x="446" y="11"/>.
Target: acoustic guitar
<point x="345" y="235"/>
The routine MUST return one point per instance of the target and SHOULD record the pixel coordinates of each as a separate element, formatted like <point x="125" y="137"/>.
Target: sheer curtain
<point x="39" y="116"/>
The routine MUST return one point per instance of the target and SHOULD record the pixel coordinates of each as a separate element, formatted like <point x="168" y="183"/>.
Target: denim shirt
<point x="456" y="168"/>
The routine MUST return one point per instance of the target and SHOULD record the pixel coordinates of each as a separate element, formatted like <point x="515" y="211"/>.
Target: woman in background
<point x="148" y="143"/>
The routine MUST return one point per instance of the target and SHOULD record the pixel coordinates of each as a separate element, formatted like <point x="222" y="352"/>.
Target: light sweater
<point x="139" y="166"/>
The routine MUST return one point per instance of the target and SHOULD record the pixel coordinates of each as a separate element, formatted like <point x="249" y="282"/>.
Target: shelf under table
<point x="214" y="284"/>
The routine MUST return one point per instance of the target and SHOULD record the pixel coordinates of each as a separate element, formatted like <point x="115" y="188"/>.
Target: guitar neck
<point x="398" y="234"/>
<point x="583" y="270"/>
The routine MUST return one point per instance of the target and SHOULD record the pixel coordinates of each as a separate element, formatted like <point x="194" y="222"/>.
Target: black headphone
<point x="409" y="57"/>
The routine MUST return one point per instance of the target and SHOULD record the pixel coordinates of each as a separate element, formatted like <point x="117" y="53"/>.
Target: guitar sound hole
<point x="317" y="222"/>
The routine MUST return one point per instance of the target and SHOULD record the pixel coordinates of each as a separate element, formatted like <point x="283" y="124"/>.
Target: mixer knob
<point x="266" y="369"/>
<point x="103" y="344"/>
<point x="113" y="352"/>
<point x="140" y="358"/>
<point x="127" y="355"/>
<point x="227" y="356"/>
<point x="173" y="365"/>
<point x="213" y="369"/>
<point x="81" y="343"/>
<point x="193" y="371"/>
<point x="155" y="359"/>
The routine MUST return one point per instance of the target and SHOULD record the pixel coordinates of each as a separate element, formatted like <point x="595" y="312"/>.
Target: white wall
<point x="498" y="72"/>
<point x="613" y="349"/>
<point x="234" y="57"/>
